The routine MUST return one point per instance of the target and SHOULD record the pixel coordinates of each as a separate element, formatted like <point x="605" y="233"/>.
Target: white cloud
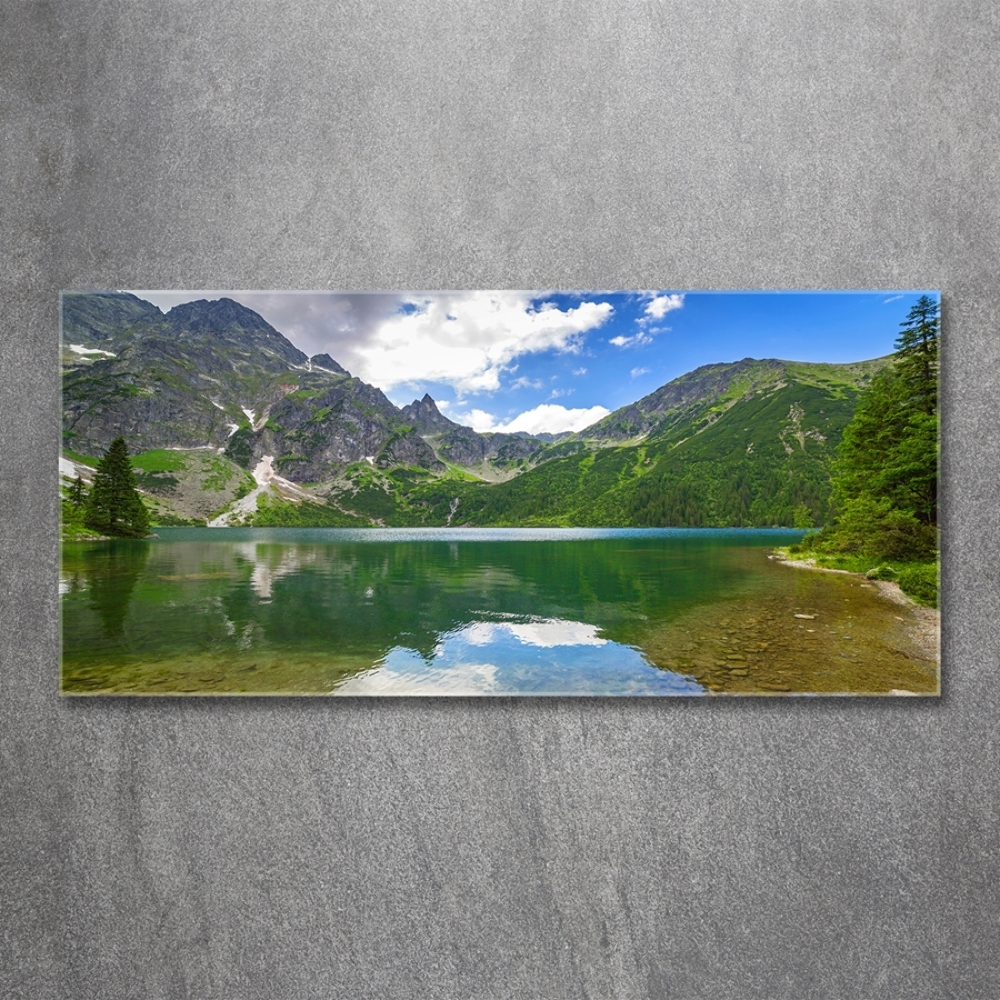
<point x="478" y="420"/>
<point x="466" y="339"/>
<point x="405" y="672"/>
<point x="636" y="372"/>
<point x="892" y="298"/>
<point x="546" y="633"/>
<point x="660" y="305"/>
<point x="656" y="308"/>
<point x="556" y="632"/>
<point x="556" y="393"/>
<point x="579" y="371"/>
<point x="548" y="418"/>
<point x="526" y="383"/>
<point x="637" y="341"/>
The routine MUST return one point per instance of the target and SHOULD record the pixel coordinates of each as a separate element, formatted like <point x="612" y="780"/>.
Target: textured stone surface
<point x="514" y="848"/>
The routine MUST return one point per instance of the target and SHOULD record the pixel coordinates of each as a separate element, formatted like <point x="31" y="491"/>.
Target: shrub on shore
<point x="883" y="572"/>
<point x="920" y="581"/>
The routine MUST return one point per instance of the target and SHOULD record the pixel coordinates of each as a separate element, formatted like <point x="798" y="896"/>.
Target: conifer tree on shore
<point x="917" y="354"/>
<point x="114" y="506"/>
<point x="77" y="493"/>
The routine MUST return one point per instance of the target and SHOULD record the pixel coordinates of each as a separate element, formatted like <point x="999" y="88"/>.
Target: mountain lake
<point x="477" y="611"/>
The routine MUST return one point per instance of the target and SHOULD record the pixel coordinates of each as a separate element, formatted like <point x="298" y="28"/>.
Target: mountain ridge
<point x="710" y="382"/>
<point x="213" y="374"/>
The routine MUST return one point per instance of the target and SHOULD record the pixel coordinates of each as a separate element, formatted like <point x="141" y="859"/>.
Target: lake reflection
<point x="543" y="656"/>
<point x="403" y="611"/>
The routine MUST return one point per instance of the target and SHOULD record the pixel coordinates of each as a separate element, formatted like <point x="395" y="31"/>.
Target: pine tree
<point x="77" y="493"/>
<point x="114" y="506"/>
<point x="917" y="353"/>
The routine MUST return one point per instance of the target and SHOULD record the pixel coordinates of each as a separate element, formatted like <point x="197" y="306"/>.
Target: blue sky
<point x="554" y="361"/>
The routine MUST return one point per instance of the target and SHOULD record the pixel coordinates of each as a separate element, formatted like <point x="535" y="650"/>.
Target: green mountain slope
<point x="763" y="460"/>
<point x="732" y="445"/>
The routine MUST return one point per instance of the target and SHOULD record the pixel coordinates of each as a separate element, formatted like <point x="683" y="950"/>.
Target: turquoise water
<point x="416" y="611"/>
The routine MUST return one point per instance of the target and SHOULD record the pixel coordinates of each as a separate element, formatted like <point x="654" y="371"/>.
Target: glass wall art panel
<point x="655" y="493"/>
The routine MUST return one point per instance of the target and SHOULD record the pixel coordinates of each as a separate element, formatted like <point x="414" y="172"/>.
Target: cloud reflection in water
<point x="541" y="656"/>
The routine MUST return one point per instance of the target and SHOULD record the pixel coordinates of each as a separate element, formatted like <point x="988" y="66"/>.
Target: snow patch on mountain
<point x="70" y="469"/>
<point x="80" y="349"/>
<point x="268" y="481"/>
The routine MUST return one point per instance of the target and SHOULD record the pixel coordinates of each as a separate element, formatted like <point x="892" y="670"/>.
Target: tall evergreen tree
<point x="917" y="353"/>
<point x="114" y="506"/>
<point x="77" y="493"/>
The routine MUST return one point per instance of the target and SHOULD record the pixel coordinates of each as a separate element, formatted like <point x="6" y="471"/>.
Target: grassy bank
<point x="917" y="579"/>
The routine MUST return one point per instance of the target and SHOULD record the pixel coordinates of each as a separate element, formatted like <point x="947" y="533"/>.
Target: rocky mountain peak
<point x="426" y="417"/>
<point x="103" y="318"/>
<point x="325" y="361"/>
<point x="225" y="319"/>
<point x="207" y="315"/>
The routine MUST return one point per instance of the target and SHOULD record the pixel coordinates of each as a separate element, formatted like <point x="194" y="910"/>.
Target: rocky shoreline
<point x="923" y="624"/>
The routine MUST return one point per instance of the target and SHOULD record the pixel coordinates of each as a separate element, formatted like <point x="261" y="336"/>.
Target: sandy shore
<point x="923" y="624"/>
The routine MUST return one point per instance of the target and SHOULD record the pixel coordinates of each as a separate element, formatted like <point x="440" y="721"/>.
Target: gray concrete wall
<point x="513" y="848"/>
